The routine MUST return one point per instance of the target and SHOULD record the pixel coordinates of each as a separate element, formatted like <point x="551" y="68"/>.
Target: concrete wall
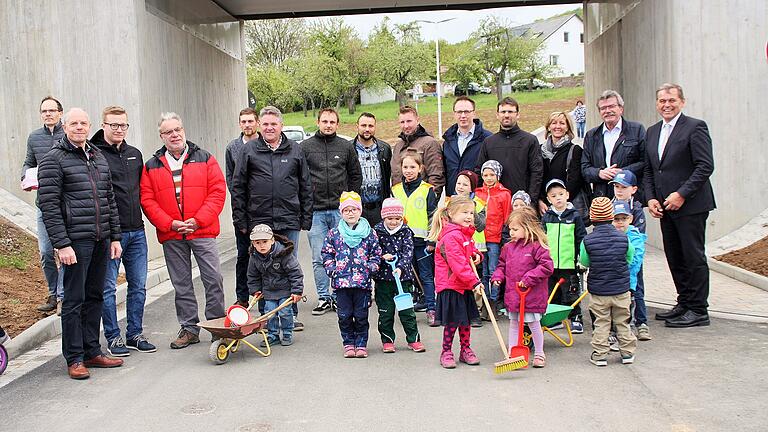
<point x="716" y="52"/>
<point x="94" y="53"/>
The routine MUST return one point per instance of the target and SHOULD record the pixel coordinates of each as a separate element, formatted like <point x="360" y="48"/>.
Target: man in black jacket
<point x="462" y="142"/>
<point x="249" y="124"/>
<point x="125" y="165"/>
<point x="516" y="150"/>
<point x="617" y="144"/>
<point x="334" y="168"/>
<point x="271" y="186"/>
<point x="679" y="162"/>
<point x="375" y="156"/>
<point x="80" y="215"/>
<point x="38" y="143"/>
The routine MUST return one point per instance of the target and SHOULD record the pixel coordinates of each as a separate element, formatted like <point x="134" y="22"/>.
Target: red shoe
<point x="388" y="347"/>
<point x="361" y="352"/>
<point x="431" y="319"/>
<point x="349" y="351"/>
<point x="446" y="360"/>
<point x="417" y="347"/>
<point x="102" y="361"/>
<point x="468" y="356"/>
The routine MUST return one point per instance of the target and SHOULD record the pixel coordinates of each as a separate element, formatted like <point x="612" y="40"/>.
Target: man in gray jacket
<point x="39" y="143"/>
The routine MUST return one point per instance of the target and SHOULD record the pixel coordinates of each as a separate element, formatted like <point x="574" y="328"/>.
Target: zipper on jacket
<point x="92" y="164"/>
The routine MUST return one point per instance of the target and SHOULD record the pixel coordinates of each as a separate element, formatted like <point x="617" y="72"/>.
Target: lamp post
<point x="439" y="85"/>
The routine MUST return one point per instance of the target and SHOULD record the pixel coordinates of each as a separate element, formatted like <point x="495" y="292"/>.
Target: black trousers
<point x="241" y="265"/>
<point x="684" y="248"/>
<point x="83" y="299"/>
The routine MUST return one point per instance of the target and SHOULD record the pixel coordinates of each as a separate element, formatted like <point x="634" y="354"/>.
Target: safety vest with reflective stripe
<point x="479" y="237"/>
<point x="415" y="207"/>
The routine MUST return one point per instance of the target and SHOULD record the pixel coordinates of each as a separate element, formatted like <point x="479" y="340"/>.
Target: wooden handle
<point x="491" y="313"/>
<point x="274" y="311"/>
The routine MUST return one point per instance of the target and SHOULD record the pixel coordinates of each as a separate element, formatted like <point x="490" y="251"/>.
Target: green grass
<point x="15" y="260"/>
<point x="388" y="110"/>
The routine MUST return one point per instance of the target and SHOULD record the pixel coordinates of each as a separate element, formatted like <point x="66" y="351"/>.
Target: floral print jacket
<point x="350" y="267"/>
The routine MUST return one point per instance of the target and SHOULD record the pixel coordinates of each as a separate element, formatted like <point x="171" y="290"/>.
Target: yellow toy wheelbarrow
<point x="554" y="315"/>
<point x="231" y="331"/>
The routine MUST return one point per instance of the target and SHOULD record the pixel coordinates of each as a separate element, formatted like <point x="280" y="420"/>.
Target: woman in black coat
<point x="562" y="160"/>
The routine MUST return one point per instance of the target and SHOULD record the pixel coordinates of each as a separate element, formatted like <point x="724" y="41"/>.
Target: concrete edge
<point x="50" y="327"/>
<point x="741" y="275"/>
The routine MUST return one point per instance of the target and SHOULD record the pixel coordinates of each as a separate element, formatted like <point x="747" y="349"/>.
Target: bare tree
<point x="272" y="42"/>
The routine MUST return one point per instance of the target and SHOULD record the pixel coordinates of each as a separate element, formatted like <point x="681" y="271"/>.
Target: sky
<point x="464" y="22"/>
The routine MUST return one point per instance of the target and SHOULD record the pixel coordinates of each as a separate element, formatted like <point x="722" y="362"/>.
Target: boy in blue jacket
<point x="607" y="252"/>
<point x="622" y="220"/>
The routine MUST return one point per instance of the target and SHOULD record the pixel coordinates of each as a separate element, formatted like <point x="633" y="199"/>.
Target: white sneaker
<point x="614" y="343"/>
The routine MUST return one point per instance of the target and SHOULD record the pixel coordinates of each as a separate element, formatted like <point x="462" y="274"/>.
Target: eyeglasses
<point x="507" y="112"/>
<point x="115" y="126"/>
<point x="49" y="111"/>
<point x="464" y="112"/>
<point x="350" y="210"/>
<point x="177" y="130"/>
<point x="607" y="107"/>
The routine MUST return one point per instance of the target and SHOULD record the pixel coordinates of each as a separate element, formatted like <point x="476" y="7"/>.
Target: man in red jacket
<point x="182" y="193"/>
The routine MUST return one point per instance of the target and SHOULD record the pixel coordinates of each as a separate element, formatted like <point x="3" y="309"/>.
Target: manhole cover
<point x="255" y="427"/>
<point x="198" y="408"/>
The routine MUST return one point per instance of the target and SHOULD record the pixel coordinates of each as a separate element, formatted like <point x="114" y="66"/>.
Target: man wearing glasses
<point x="516" y="150"/>
<point x="617" y="144"/>
<point x="182" y="193"/>
<point x="462" y="142"/>
<point x="125" y="165"/>
<point x="38" y="143"/>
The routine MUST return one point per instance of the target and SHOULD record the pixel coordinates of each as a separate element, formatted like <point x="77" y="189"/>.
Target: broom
<point x="508" y="364"/>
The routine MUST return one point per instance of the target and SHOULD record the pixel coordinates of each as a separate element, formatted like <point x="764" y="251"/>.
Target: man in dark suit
<point x="678" y="165"/>
<point x="617" y="144"/>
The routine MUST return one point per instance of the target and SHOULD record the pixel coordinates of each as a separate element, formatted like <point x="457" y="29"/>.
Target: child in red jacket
<point x="455" y="280"/>
<point x="498" y="206"/>
<point x="525" y="260"/>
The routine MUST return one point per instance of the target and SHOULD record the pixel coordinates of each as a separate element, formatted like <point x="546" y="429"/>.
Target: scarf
<point x="393" y="231"/>
<point x="548" y="149"/>
<point x="353" y="236"/>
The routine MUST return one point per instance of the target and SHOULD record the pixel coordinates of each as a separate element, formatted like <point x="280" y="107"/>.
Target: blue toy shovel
<point x="403" y="300"/>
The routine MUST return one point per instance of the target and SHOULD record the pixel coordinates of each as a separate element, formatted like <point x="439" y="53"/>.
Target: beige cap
<point x="261" y="232"/>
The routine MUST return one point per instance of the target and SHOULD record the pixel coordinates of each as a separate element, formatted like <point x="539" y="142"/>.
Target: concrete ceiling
<point x="258" y="9"/>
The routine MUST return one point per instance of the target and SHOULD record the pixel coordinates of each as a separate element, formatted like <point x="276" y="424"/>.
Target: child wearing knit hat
<point x="607" y="252"/>
<point x="351" y="254"/>
<point x="396" y="241"/>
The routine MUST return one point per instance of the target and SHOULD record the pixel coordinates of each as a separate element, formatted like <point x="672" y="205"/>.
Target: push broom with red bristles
<point x="510" y="363"/>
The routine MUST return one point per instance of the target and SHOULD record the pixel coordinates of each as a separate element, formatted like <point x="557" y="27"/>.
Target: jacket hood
<point x="282" y="247"/>
<point x="453" y="130"/>
<point x="450" y="227"/>
<point x="418" y="133"/>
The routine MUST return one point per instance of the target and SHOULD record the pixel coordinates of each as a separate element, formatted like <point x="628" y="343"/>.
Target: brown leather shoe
<point x="78" y="371"/>
<point x="102" y="361"/>
<point x="185" y="339"/>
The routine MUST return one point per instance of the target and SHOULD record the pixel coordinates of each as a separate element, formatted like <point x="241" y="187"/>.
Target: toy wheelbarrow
<point x="403" y="300"/>
<point x="554" y="315"/>
<point x="232" y="330"/>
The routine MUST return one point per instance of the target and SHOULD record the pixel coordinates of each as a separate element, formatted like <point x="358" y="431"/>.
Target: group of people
<point x="374" y="223"/>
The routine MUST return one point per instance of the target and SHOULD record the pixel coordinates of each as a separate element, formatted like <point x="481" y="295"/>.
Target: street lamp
<point x="439" y="86"/>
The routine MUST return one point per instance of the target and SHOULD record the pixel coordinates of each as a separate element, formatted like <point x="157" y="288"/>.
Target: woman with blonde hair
<point x="562" y="160"/>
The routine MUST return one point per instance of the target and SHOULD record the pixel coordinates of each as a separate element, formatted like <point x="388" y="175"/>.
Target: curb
<point x="741" y="275"/>
<point x="50" y="327"/>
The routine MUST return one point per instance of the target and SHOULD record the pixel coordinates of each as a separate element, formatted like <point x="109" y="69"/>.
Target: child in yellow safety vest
<point x="466" y="183"/>
<point x="420" y="202"/>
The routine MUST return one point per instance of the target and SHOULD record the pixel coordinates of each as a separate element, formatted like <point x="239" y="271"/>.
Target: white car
<point x="525" y="84"/>
<point x="295" y="133"/>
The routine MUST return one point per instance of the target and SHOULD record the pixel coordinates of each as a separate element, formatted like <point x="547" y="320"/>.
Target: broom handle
<point x="492" y="314"/>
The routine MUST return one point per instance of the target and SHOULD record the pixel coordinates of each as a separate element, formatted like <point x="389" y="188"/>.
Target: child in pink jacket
<point x="455" y="278"/>
<point x="525" y="260"/>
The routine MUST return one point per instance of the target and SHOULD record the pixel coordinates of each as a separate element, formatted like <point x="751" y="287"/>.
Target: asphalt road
<point x="704" y="379"/>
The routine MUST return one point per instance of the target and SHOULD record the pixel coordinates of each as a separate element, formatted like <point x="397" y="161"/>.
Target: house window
<point x="553" y="60"/>
<point x="565" y="36"/>
<point x="581" y="38"/>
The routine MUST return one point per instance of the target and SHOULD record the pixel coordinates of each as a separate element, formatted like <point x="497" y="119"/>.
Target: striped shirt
<point x="176" y="166"/>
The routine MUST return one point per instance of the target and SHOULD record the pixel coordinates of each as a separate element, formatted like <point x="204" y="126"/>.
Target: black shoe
<point x="420" y="307"/>
<point x="49" y="305"/>
<point x="323" y="306"/>
<point x="476" y="322"/>
<point x="688" y="319"/>
<point x="674" y="313"/>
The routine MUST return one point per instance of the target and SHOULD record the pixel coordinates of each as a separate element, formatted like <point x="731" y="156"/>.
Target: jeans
<point x="641" y="313"/>
<point x="580" y="126"/>
<point x="134" y="258"/>
<point x="322" y="222"/>
<point x="425" y="266"/>
<point x="243" y="242"/>
<point x="283" y="321"/>
<point x="82" y="303"/>
<point x="489" y="266"/>
<point x="352" y="310"/>
<point x="53" y="275"/>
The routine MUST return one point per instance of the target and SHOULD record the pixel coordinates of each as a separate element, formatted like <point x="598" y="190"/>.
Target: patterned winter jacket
<point x="399" y="244"/>
<point x="350" y="267"/>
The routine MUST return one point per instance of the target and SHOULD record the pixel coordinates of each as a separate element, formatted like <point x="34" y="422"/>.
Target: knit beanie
<point x="350" y="199"/>
<point x="522" y="195"/>
<point x="601" y="210"/>
<point x="392" y="207"/>
<point x="493" y="166"/>
<point x="473" y="180"/>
